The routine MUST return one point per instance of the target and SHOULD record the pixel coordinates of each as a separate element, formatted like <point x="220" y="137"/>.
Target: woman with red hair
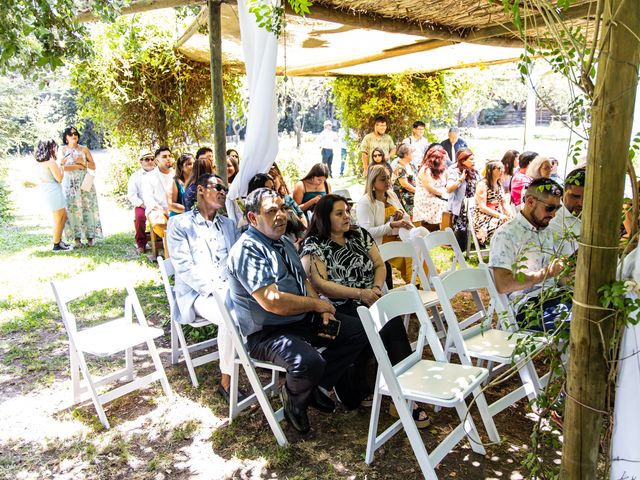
<point x="430" y="200"/>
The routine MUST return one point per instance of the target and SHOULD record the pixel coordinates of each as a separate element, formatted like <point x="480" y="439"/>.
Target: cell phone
<point x="319" y="328"/>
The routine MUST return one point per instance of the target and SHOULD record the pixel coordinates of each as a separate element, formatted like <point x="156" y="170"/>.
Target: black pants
<point x="327" y="158"/>
<point x="396" y="343"/>
<point x="292" y="347"/>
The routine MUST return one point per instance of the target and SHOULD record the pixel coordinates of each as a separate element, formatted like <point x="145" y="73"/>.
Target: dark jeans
<point x="327" y="158"/>
<point x="343" y="160"/>
<point x="394" y="338"/>
<point x="292" y="347"/>
<point x="140" y="223"/>
<point x="551" y="309"/>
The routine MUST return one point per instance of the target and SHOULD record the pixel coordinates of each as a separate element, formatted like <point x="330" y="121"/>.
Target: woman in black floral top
<point x="344" y="264"/>
<point x="404" y="178"/>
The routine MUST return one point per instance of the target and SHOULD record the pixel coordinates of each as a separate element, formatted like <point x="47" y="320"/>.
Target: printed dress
<point x="83" y="217"/>
<point x="485" y="225"/>
<point x="405" y="196"/>
<point x="426" y="206"/>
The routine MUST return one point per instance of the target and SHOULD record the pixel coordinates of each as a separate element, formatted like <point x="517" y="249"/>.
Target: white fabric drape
<point x="261" y="141"/>
<point x="625" y="448"/>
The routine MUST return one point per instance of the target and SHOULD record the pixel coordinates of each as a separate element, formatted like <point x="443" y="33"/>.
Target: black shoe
<point x="61" y="247"/>
<point x="297" y="417"/>
<point x="225" y="394"/>
<point x="321" y="401"/>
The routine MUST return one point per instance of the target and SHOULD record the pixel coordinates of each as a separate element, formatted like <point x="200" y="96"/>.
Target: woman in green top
<point x="184" y="165"/>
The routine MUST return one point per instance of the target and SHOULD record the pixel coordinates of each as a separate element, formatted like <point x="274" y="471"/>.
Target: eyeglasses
<point x="218" y="187"/>
<point x="376" y="155"/>
<point x="147" y="159"/>
<point x="72" y="134"/>
<point x="548" y="207"/>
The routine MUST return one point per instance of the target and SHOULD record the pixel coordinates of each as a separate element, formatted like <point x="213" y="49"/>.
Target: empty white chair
<point x="107" y="339"/>
<point x="249" y="365"/>
<point x="415" y="379"/>
<point x="478" y="339"/>
<point x="178" y="340"/>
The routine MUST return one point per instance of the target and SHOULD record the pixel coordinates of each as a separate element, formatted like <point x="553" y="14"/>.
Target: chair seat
<point x="446" y="382"/>
<point x="428" y="297"/>
<point x="115" y="336"/>
<point x="490" y="344"/>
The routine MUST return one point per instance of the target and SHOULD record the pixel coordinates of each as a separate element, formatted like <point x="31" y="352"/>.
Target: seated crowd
<point x="300" y="264"/>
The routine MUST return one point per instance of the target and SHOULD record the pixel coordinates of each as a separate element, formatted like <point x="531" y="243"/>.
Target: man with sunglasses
<point x="134" y="194"/>
<point x="523" y="257"/>
<point x="567" y="223"/>
<point x="199" y="241"/>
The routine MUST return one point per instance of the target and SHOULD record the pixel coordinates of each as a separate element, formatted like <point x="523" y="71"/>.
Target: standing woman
<point x="510" y="164"/>
<point x="377" y="158"/>
<point x="463" y="177"/>
<point x="184" y="165"/>
<point x="430" y="201"/>
<point x="51" y="175"/>
<point x="492" y="204"/>
<point x="311" y="187"/>
<point x="83" y="216"/>
<point x="404" y="178"/>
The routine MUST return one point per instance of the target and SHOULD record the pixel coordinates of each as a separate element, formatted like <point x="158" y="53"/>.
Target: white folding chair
<point x="470" y="205"/>
<point x="178" y="340"/>
<point x="415" y="379"/>
<point x="405" y="249"/>
<point x="478" y="339"/>
<point x="107" y="339"/>
<point x="249" y="365"/>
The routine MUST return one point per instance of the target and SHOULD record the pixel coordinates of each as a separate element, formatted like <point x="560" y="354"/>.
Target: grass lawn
<point x="44" y="436"/>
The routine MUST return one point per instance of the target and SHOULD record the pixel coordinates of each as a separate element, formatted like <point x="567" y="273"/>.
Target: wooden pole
<point x="217" y="96"/>
<point x="139" y="6"/>
<point x="612" y="118"/>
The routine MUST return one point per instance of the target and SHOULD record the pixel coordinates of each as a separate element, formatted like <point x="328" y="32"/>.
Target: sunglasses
<point x="147" y="159"/>
<point x="72" y="134"/>
<point x="548" y="207"/>
<point x="218" y="187"/>
<point x="376" y="155"/>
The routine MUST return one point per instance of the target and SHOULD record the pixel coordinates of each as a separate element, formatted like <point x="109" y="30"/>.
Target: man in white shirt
<point x="418" y="143"/>
<point x="523" y="257"/>
<point x="327" y="140"/>
<point x="156" y="191"/>
<point x="566" y="225"/>
<point x="134" y="194"/>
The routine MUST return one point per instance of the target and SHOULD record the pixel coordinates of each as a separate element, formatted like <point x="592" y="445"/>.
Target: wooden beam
<point x="592" y="326"/>
<point x="217" y="96"/>
<point x="199" y="21"/>
<point x="139" y="6"/>
<point x="390" y="53"/>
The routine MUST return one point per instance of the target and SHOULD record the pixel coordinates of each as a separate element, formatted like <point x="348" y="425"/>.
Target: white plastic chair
<point x="107" y="339"/>
<point x="470" y="205"/>
<point x="415" y="379"/>
<point x="478" y="339"/>
<point x="178" y="340"/>
<point x="249" y="365"/>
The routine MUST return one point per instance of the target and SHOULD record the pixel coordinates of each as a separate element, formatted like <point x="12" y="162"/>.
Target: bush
<point x="6" y="205"/>
<point x="126" y="162"/>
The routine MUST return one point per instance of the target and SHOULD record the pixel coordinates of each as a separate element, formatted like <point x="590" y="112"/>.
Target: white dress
<point x="426" y="206"/>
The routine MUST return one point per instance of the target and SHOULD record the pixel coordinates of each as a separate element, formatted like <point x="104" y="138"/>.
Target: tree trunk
<point x="220" y="126"/>
<point x="612" y="117"/>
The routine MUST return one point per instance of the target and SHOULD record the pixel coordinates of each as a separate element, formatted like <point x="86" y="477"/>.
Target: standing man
<point x="156" y="191"/>
<point x="282" y="315"/>
<point x="523" y="257"/>
<point x="377" y="138"/>
<point x="566" y="225"/>
<point x="452" y="144"/>
<point x="134" y="194"/>
<point x="520" y="179"/>
<point x="200" y="241"/>
<point x="327" y="140"/>
<point x="418" y="143"/>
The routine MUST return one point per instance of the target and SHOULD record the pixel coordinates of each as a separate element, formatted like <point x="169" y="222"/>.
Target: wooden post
<point x="217" y="96"/>
<point x="612" y="117"/>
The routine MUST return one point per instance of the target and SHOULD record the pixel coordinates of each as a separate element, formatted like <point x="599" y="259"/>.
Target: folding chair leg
<point x="75" y="374"/>
<point x="175" y="345"/>
<point x="187" y="355"/>
<point x="153" y="351"/>
<point x="470" y="428"/>
<point x="530" y="380"/>
<point x="128" y="355"/>
<point x="233" y="392"/>
<point x="373" y="423"/>
<point x="487" y="419"/>
<point x="416" y="441"/>
<point x="92" y="391"/>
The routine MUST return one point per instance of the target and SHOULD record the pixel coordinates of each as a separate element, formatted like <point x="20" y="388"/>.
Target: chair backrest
<point x="400" y="249"/>
<point x="398" y="303"/>
<point x="66" y="291"/>
<point x="508" y="316"/>
<point x="166" y="271"/>
<point x="424" y="246"/>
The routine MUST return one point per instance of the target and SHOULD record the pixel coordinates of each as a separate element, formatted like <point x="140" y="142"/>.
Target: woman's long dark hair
<point x="200" y="166"/>
<point x="509" y="161"/>
<point x="67" y="131"/>
<point x="320" y="224"/>
<point x="489" y="174"/>
<point x="182" y="159"/>
<point x="43" y="150"/>
<point x="318" y="170"/>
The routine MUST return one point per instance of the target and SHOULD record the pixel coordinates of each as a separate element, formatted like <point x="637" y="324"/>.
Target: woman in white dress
<point x="430" y="200"/>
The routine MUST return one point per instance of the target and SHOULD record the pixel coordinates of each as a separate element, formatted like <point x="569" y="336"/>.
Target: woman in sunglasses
<point x="83" y="217"/>
<point x="377" y="158"/>
<point x="492" y="205"/>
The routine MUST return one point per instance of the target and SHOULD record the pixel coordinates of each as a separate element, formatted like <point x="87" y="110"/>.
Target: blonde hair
<point x="533" y="170"/>
<point x="374" y="172"/>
